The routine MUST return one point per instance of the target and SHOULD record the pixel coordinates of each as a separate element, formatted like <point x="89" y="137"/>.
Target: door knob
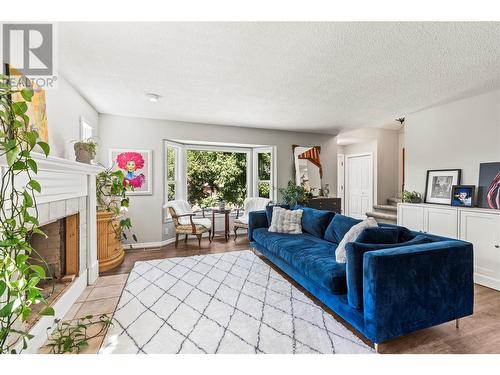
<point x="497" y="246"/>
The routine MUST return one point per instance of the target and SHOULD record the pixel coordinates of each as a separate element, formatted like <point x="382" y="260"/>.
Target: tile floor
<point x="98" y="299"/>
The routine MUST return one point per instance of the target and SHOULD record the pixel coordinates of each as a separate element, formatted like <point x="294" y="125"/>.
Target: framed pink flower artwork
<point x="137" y="167"/>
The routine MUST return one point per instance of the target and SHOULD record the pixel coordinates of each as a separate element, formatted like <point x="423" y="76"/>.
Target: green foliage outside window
<point x="216" y="175"/>
<point x="170" y="173"/>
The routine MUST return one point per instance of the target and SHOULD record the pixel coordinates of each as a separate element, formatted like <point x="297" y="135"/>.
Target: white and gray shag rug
<point x="221" y="303"/>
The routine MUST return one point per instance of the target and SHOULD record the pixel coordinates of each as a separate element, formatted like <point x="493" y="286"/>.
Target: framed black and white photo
<point x="463" y="195"/>
<point x="439" y="184"/>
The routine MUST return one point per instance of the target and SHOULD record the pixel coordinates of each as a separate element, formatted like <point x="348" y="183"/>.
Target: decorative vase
<point x="83" y="155"/>
<point x="110" y="252"/>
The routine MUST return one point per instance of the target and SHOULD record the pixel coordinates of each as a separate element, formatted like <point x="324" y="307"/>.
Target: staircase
<point x="385" y="213"/>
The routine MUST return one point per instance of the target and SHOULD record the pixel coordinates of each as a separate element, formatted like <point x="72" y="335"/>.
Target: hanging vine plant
<point x="19" y="279"/>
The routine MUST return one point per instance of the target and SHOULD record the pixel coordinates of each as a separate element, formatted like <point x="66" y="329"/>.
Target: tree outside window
<point x="264" y="174"/>
<point x="171" y="178"/>
<point x="216" y="175"/>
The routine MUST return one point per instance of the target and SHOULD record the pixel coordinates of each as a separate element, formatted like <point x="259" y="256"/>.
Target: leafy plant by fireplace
<point x="19" y="279"/>
<point x="112" y="188"/>
<point x="73" y="337"/>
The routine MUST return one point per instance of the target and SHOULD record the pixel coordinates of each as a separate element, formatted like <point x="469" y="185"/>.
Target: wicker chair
<point x="249" y="205"/>
<point x="196" y="226"/>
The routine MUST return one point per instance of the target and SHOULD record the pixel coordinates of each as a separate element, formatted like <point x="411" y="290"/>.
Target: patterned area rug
<point x="221" y="303"/>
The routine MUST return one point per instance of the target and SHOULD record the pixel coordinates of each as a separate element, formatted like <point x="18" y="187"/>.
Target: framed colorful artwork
<point x="37" y="109"/>
<point x="489" y="185"/>
<point x="137" y="166"/>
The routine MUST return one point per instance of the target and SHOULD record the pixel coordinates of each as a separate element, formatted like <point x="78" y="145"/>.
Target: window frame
<point x="273" y="191"/>
<point x="86" y="127"/>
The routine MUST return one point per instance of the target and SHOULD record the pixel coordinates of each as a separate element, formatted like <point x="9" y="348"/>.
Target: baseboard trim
<point x="148" y="245"/>
<point x="486" y="281"/>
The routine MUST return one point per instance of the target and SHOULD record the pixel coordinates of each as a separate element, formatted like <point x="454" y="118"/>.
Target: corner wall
<point x="146" y="211"/>
<point x="460" y="134"/>
<point x="65" y="107"/>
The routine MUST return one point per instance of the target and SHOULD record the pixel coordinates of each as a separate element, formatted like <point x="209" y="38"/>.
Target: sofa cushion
<point x="338" y="227"/>
<point x="379" y="235"/>
<point x="354" y="269"/>
<point x="315" y="221"/>
<point x="312" y="257"/>
<point x="286" y="221"/>
<point x="269" y="211"/>
<point x="404" y="234"/>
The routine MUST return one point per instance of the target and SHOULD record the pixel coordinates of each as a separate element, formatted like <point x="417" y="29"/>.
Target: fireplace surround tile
<point x="57" y="210"/>
<point x="72" y="206"/>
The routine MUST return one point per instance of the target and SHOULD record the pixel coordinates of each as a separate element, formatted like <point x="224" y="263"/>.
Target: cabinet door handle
<point x="497" y="246"/>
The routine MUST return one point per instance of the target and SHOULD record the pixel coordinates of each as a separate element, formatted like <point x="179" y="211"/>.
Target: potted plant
<point x="85" y="150"/>
<point x="294" y="194"/>
<point x="411" y="197"/>
<point x="112" y="227"/>
<point x="19" y="276"/>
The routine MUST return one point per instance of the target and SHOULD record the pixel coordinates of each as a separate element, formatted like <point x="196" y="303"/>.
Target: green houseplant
<point x="112" y="227"/>
<point x="293" y="194"/>
<point x="19" y="279"/>
<point x="411" y="197"/>
<point x="85" y="150"/>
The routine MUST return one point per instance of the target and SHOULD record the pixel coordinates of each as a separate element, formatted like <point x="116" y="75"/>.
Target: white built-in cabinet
<point x="479" y="226"/>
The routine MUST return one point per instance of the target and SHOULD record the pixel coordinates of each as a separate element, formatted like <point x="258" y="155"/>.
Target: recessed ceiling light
<point x="153" y="98"/>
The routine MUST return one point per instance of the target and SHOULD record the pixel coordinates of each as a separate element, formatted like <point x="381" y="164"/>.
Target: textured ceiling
<point x="322" y="77"/>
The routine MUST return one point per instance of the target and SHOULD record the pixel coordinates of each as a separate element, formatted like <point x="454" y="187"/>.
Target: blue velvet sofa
<point x="395" y="281"/>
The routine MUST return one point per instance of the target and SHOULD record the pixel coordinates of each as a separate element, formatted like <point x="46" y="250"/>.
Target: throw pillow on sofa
<point x="338" y="227"/>
<point x="354" y="267"/>
<point x="286" y="221"/>
<point x="351" y="236"/>
<point x="315" y="221"/>
<point x="269" y="211"/>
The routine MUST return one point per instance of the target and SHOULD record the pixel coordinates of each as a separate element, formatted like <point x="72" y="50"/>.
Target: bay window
<point x="204" y="174"/>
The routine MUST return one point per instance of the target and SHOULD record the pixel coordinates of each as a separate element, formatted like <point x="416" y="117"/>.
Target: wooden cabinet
<point x="483" y="230"/>
<point x="411" y="217"/>
<point x="441" y="221"/>
<point x="479" y="226"/>
<point x="325" y="203"/>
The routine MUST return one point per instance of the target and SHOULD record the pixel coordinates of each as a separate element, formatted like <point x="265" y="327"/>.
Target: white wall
<point x="384" y="145"/>
<point x="146" y="211"/>
<point x="460" y="134"/>
<point x="65" y="106"/>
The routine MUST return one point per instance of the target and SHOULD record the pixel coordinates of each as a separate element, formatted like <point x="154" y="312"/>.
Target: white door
<point x="483" y="231"/>
<point x="359" y="185"/>
<point x="341" y="180"/>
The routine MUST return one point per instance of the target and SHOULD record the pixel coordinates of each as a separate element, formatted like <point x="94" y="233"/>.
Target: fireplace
<point x="66" y="209"/>
<point x="59" y="255"/>
<point x="59" y="252"/>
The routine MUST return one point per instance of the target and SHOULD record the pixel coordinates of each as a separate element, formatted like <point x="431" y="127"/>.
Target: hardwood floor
<point x="479" y="333"/>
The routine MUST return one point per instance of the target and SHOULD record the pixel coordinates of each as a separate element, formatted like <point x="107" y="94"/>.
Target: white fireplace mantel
<point x="68" y="187"/>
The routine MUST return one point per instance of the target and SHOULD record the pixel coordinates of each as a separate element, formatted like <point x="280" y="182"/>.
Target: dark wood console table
<point x="325" y="203"/>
